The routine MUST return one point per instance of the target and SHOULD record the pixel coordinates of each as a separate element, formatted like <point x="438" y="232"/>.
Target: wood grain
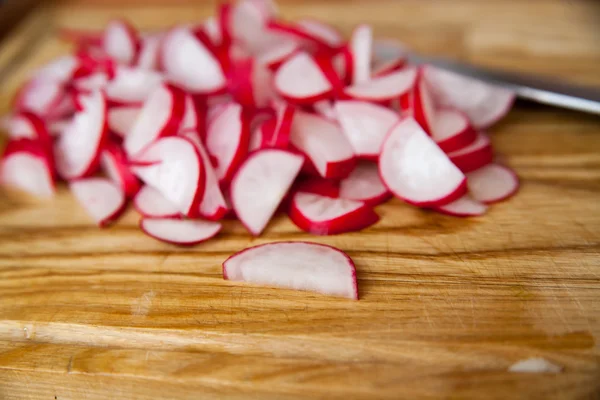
<point x="447" y="305"/>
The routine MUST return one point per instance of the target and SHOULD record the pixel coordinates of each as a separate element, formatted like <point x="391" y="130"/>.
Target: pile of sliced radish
<point x="247" y="114"/>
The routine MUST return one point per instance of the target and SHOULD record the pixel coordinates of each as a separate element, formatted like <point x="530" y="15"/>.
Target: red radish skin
<point x="301" y="80"/>
<point x="474" y="156"/>
<point x="452" y="131"/>
<point x="361" y="44"/>
<point x="418" y="103"/>
<point x="384" y="88"/>
<point x="416" y="170"/>
<point x="190" y="120"/>
<point x="492" y="183"/>
<point x="122" y="119"/>
<point x="364" y="184"/>
<point x="295" y="265"/>
<point x="121" y="41"/>
<point x="181" y="232"/>
<point x="102" y="199"/>
<point x="26" y="166"/>
<point x="323" y="215"/>
<point x="115" y="166"/>
<point x="149" y="202"/>
<point x="466" y="206"/>
<point x="276" y="132"/>
<point x="260" y="185"/>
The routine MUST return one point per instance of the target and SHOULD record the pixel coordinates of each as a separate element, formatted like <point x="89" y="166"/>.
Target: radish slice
<point x="260" y="185"/>
<point x="160" y="116"/>
<point x="27" y="125"/>
<point x="475" y="155"/>
<point x="416" y="170"/>
<point x="384" y="88"/>
<point x="466" y="206"/>
<point x="492" y="183"/>
<point x="276" y="132"/>
<point x="62" y="69"/>
<point x="388" y="66"/>
<point x="189" y="64"/>
<point x="295" y="265"/>
<point x="40" y="97"/>
<point x="483" y="103"/>
<point x="361" y="43"/>
<point x="325" y="109"/>
<point x="227" y="140"/>
<point x="179" y="231"/>
<point x="323" y="215"/>
<point x="418" y="103"/>
<point x="122" y="119"/>
<point x="151" y="203"/>
<point x="277" y="54"/>
<point x="365" y="126"/>
<point x="103" y="200"/>
<point x="322" y="32"/>
<point x="121" y="41"/>
<point x="150" y="51"/>
<point x="114" y="164"/>
<point x="324" y="144"/>
<point x="178" y="175"/>
<point x="90" y="83"/>
<point x="132" y="85"/>
<point x="190" y="116"/>
<point x="211" y="28"/>
<point x="301" y="80"/>
<point x="25" y="165"/>
<point x="452" y="131"/>
<point x="364" y="184"/>
<point x="320" y="186"/>
<point x="77" y="150"/>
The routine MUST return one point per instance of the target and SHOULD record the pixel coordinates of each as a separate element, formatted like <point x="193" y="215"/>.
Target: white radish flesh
<point x="361" y="44"/>
<point x="121" y="42"/>
<point x="151" y="203"/>
<point x="475" y="155"/>
<point x="451" y="130"/>
<point x="301" y="80"/>
<point x="122" y="119"/>
<point x="492" y="183"/>
<point x="364" y="184"/>
<point x="323" y="32"/>
<point x="179" y="231"/>
<point x="132" y="85"/>
<point x="384" y="88"/>
<point x="25" y="166"/>
<point x="102" y="199"/>
<point x="466" y="206"/>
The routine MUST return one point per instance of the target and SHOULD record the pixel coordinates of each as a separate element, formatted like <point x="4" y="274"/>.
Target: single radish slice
<point x="276" y="132"/>
<point x="189" y="64"/>
<point x="115" y="166"/>
<point x="364" y="184"/>
<point x="322" y="32"/>
<point x="384" y="88"/>
<point x="227" y="140"/>
<point x="103" y="200"/>
<point x="466" y="206"/>
<point x="295" y="265"/>
<point x="452" y="131"/>
<point x="26" y="166"/>
<point x="417" y="102"/>
<point x="475" y="155"/>
<point x="40" y="96"/>
<point x="62" y="69"/>
<point x="160" y="116"/>
<point x="325" y="145"/>
<point x="27" y="125"/>
<point x="151" y="203"/>
<point x="183" y="232"/>
<point x="176" y="170"/>
<point x="121" y="42"/>
<point x="260" y="185"/>
<point x="301" y="80"/>
<point x="492" y="183"/>
<point x="365" y="125"/>
<point x="483" y="103"/>
<point x="277" y="54"/>
<point x="416" y="170"/>
<point x="132" y="85"/>
<point x="77" y="150"/>
<point x="361" y="44"/>
<point x="323" y="215"/>
<point x="122" y="119"/>
<point x="320" y="186"/>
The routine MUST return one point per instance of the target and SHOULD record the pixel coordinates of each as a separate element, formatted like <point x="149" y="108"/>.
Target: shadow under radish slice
<point x="492" y="183"/>
<point x="182" y="232"/>
<point x="121" y="42"/>
<point x="384" y="88"/>
<point x="466" y="206"/>
<point x="416" y="170"/>
<point x="102" y="199"/>
<point x="260" y="185"/>
<point x="360" y="46"/>
<point x="295" y="265"/>
<point x="475" y="155"/>
<point x="122" y="119"/>
<point x="365" y="125"/>
<point x="364" y="184"/>
<point x="151" y="203"/>
<point x="115" y="166"/>
<point x="452" y="131"/>
<point x="25" y="165"/>
<point x="301" y="80"/>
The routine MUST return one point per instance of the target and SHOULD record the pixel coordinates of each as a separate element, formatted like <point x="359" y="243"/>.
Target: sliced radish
<point x="417" y="102"/>
<point x="295" y="265"/>
<point x="483" y="103"/>
<point x="361" y="44"/>
<point x="25" y="165"/>
<point x="132" y="85"/>
<point x="211" y="28"/>
<point x="277" y="54"/>
<point x="322" y="32"/>
<point x="492" y="183"/>
<point x="466" y="206"/>
<point x="364" y="184"/>
<point x="150" y="51"/>
<point x="320" y="186"/>
<point x="475" y="155"/>
<point x="452" y="131"/>
<point x="189" y="64"/>
<point x="388" y="66"/>
<point x="323" y="215"/>
<point x="103" y="200"/>
<point x="151" y="203"/>
<point x="56" y="128"/>
<point x="325" y="109"/>
<point x="178" y="172"/>
<point x="384" y="88"/>
<point x="260" y="185"/>
<point x="179" y="231"/>
<point x="416" y="170"/>
<point x="77" y="150"/>
<point x="115" y="166"/>
<point x="160" y="116"/>
<point x="365" y="125"/>
<point x="276" y="132"/>
<point x="27" y="125"/>
<point x="190" y="116"/>
<point x="301" y="80"/>
<point x="62" y="69"/>
<point x="227" y="140"/>
<point x="40" y="96"/>
<point x="121" y="41"/>
<point x="122" y="119"/>
<point x="324" y="144"/>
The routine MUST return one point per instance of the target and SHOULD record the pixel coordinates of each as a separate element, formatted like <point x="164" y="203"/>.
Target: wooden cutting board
<point x="447" y="304"/>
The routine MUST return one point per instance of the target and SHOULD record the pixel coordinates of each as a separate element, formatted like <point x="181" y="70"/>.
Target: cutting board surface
<point x="447" y="304"/>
